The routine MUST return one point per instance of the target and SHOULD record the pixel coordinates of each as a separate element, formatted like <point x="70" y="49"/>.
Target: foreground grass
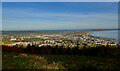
<point x="24" y="61"/>
<point x="28" y="61"/>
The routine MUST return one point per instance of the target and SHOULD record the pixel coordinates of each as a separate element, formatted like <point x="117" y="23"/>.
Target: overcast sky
<point x="59" y="15"/>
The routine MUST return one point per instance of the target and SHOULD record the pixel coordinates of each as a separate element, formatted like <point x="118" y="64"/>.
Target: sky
<point x="60" y="0"/>
<point x="59" y="15"/>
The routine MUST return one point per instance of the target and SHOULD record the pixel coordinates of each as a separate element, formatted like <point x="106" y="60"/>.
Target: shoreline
<point x="109" y="39"/>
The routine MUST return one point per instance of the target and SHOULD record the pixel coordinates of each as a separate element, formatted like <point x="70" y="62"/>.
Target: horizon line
<point x="61" y="30"/>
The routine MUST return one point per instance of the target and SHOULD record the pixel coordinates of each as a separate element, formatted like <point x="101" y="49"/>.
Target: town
<point x="65" y="39"/>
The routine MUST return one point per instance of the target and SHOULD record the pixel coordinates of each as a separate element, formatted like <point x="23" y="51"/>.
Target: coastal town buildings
<point x="64" y="40"/>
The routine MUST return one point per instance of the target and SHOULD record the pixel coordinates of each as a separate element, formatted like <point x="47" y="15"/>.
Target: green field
<point x="30" y="61"/>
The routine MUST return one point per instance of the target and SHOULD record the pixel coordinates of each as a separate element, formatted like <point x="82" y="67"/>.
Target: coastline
<point x="83" y="36"/>
<point x="109" y="39"/>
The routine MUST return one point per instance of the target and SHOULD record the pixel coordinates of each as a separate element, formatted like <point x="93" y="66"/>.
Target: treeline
<point x="6" y="48"/>
<point x="101" y="51"/>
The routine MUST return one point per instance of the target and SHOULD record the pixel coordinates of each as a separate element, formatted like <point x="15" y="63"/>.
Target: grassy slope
<point x="28" y="61"/>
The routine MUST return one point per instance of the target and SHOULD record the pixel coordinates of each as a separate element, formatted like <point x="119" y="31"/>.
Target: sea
<point x="112" y="34"/>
